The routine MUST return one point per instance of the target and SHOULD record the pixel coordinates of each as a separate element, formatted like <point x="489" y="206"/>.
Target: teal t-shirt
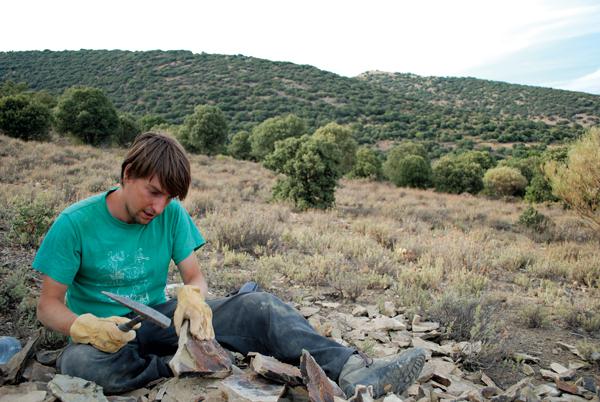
<point x="89" y="250"/>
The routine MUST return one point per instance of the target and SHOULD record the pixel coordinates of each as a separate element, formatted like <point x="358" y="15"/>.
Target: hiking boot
<point x="389" y="374"/>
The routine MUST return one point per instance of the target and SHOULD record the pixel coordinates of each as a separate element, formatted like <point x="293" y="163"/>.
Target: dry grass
<point x="413" y="247"/>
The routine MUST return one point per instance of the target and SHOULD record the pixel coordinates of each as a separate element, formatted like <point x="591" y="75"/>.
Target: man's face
<point x="144" y="199"/>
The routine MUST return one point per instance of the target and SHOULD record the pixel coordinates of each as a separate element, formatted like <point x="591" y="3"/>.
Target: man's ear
<point x="126" y="173"/>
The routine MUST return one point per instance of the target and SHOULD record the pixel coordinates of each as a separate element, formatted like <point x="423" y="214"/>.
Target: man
<point x="122" y="241"/>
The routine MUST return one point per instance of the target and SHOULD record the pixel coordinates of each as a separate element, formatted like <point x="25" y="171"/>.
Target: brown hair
<point x="157" y="154"/>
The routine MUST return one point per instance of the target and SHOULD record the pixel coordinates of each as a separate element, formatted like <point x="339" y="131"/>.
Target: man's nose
<point x="160" y="204"/>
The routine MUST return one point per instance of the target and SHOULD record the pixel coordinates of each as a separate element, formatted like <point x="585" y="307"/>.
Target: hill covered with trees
<point x="249" y="90"/>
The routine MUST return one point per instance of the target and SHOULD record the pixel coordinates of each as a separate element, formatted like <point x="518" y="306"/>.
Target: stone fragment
<point x="438" y="367"/>
<point x="10" y="371"/>
<point x="488" y="392"/>
<point x="47" y="357"/>
<point x="389" y="309"/>
<point x="513" y="391"/>
<point x="121" y="398"/>
<point x="527" y="369"/>
<point x="458" y="387"/>
<point x="251" y="388"/>
<point x="309" y="311"/>
<point x="558" y="368"/>
<point x="74" y="389"/>
<point x="360" y="311"/>
<point x="595" y="357"/>
<point x="41" y="373"/>
<point x="577" y="364"/>
<point x="207" y="357"/>
<point x="546" y="390"/>
<point x="192" y="388"/>
<point x="380" y="336"/>
<point x="568" y="387"/>
<point x="356" y="335"/>
<point x="401" y="338"/>
<point x="571" y="348"/>
<point x="524" y="358"/>
<point x="487" y="380"/>
<point x="380" y="350"/>
<point x="274" y="370"/>
<point x="362" y="393"/>
<point x="387" y="324"/>
<point x="589" y="383"/>
<point x="24" y="392"/>
<point x="316" y="321"/>
<point x="425" y="326"/>
<point x="333" y="305"/>
<point x="359" y="323"/>
<point x="392" y="398"/>
<point x="550" y="375"/>
<point x="434" y="348"/>
<point x="372" y="310"/>
<point x="320" y="388"/>
<point x="416" y="319"/>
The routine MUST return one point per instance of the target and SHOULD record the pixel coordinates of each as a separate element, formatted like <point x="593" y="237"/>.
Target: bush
<point x="342" y="138"/>
<point x="128" y="130"/>
<point x="149" y="121"/>
<point x="451" y="174"/>
<point x="576" y="180"/>
<point x="312" y="167"/>
<point x="409" y="171"/>
<point x="239" y="147"/>
<point x="87" y="114"/>
<point x="266" y="134"/>
<point x="367" y="165"/>
<point x="31" y="220"/>
<point x="482" y="158"/>
<point x="204" y="131"/>
<point x="504" y="181"/>
<point x="539" y="190"/>
<point x="20" y="117"/>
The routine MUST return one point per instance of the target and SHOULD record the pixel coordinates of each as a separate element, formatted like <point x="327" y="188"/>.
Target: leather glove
<point x="101" y="333"/>
<point x="191" y="305"/>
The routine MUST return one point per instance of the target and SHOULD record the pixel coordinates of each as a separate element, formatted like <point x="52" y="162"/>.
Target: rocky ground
<point x="381" y="329"/>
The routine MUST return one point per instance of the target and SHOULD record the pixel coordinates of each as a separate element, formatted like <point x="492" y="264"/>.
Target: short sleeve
<point x="59" y="255"/>
<point x="187" y="237"/>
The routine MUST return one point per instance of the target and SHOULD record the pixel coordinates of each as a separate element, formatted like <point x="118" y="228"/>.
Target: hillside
<point x="250" y="90"/>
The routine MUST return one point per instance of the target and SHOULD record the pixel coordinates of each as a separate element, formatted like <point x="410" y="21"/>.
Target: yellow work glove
<point x="101" y="333"/>
<point x="191" y="306"/>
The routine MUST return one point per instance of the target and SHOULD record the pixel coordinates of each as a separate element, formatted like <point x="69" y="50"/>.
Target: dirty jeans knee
<point x="117" y="372"/>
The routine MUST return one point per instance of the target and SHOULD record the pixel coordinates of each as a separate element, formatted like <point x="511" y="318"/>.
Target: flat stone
<point x="10" y="371"/>
<point x="358" y="322"/>
<point x="524" y="358"/>
<point x="577" y="364"/>
<point x="362" y="393"/>
<point x="380" y="336"/>
<point x="309" y="311"/>
<point x="425" y="326"/>
<point x="487" y="380"/>
<point x="178" y="389"/>
<point x="74" y="389"/>
<point x="568" y="387"/>
<point x="571" y="348"/>
<point x="401" y="338"/>
<point x="589" y="383"/>
<point x="380" y="350"/>
<point x="546" y="390"/>
<point x="433" y="347"/>
<point x="42" y="373"/>
<point x="320" y="387"/>
<point x="514" y="390"/>
<point x="389" y="309"/>
<point x="372" y="310"/>
<point x="392" y="398"/>
<point x="360" y="311"/>
<point x="24" y="392"/>
<point x="356" y="335"/>
<point x="333" y="305"/>
<point x="274" y="370"/>
<point x="251" y="388"/>
<point x="527" y="369"/>
<point x="416" y="319"/>
<point x="550" y="375"/>
<point x="558" y="368"/>
<point x="488" y="392"/>
<point x="387" y="324"/>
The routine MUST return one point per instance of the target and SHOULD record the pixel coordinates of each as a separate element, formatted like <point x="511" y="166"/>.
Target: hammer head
<point x="141" y="309"/>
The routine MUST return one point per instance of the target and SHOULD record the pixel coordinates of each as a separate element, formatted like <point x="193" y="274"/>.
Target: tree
<point x="312" y="168"/>
<point x="23" y="118"/>
<point x="87" y="114"/>
<point x="407" y="165"/>
<point x="504" y="181"/>
<point x="150" y="120"/>
<point x="452" y="174"/>
<point x="264" y="136"/>
<point x="577" y="181"/>
<point x="482" y="158"/>
<point x="239" y="147"/>
<point x="343" y="139"/>
<point x="367" y="165"/>
<point x="128" y="129"/>
<point x="204" y="131"/>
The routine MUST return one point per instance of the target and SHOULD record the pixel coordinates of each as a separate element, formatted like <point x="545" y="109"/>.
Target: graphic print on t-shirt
<point x="127" y="274"/>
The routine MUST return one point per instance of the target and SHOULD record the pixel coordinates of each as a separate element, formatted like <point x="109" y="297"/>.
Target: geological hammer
<point x="143" y="313"/>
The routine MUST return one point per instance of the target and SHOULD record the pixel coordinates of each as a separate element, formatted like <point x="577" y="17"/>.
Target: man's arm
<point x="191" y="274"/>
<point x="51" y="309"/>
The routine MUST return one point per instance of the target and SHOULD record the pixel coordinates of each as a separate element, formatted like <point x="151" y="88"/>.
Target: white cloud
<point x="588" y="83"/>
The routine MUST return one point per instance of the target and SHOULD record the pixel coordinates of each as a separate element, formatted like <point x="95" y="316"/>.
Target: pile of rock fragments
<point x="30" y="375"/>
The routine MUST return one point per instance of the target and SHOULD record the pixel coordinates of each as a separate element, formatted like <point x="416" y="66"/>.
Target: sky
<point x="554" y="43"/>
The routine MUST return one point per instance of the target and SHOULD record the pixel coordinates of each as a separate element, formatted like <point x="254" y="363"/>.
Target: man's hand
<point x="101" y="333"/>
<point x="191" y="305"/>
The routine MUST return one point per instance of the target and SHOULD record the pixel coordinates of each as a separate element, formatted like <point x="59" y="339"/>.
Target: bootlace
<point x="368" y="360"/>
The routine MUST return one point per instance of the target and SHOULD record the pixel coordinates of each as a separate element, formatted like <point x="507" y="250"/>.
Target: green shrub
<point x="343" y="139"/>
<point x="539" y="190"/>
<point x="31" y="219"/>
<point x="504" y="181"/>
<point x="20" y="117"/>
<point x="408" y="171"/>
<point x="312" y="167"/>
<point x="531" y="218"/>
<point x="240" y="147"/>
<point x="266" y="134"/>
<point x="204" y="131"/>
<point x="128" y="130"/>
<point x="367" y="165"/>
<point x="87" y="114"/>
<point x="149" y="121"/>
<point x="451" y="174"/>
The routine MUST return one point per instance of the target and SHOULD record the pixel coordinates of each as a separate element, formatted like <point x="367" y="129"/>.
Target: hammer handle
<point x="128" y="326"/>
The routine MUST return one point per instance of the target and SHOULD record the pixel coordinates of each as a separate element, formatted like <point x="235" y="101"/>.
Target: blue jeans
<point x="248" y="322"/>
